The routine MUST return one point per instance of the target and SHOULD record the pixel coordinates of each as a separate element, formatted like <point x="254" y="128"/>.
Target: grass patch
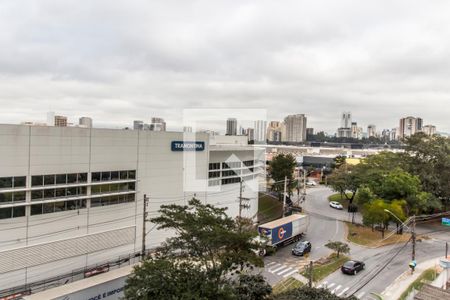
<point x="342" y="200"/>
<point x="269" y="208"/>
<point x="331" y="264"/>
<point x="426" y="276"/>
<point x="286" y="285"/>
<point x="362" y="235"/>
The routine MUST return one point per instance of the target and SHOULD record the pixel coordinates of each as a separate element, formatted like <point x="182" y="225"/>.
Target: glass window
<point x="61" y="179"/>
<point x="49" y="179"/>
<point x="5" y="197"/>
<point x="131" y="197"/>
<point x="225" y="166"/>
<point x="18" y="211"/>
<point x="36" y="209"/>
<point x="36" y="180"/>
<point x="115" y="175"/>
<point x="60" y="206"/>
<point x="123" y="187"/>
<point x="60" y="193"/>
<point x="96" y="202"/>
<point x="37" y="195"/>
<point x="72" y="178"/>
<point x="71" y="205"/>
<point x="5" y="182"/>
<point x="72" y="191"/>
<point x="82" y="203"/>
<point x="132" y="174"/>
<point x="96" y="189"/>
<point x="82" y="177"/>
<point x="48" y="208"/>
<point x="19" y="181"/>
<point x="131" y="186"/>
<point x="19" y="196"/>
<point x="49" y="193"/>
<point x="106" y="176"/>
<point x="114" y="187"/>
<point x="123" y="175"/>
<point x="5" y="213"/>
<point x="82" y="190"/>
<point x="96" y="176"/>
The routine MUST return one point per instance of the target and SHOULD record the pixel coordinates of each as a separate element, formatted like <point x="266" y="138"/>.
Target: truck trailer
<point x="283" y="231"/>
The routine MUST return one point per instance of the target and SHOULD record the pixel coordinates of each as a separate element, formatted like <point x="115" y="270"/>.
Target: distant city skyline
<point x="287" y="59"/>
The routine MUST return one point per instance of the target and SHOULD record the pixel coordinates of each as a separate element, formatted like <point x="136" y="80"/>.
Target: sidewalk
<point x="403" y="281"/>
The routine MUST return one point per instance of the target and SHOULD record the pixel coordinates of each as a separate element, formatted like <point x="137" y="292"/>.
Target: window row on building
<point x="111" y="200"/>
<point x="13" y="182"/>
<point x="231" y="165"/>
<point x="113" y="175"/>
<point x="52" y="207"/>
<point x="53" y="179"/>
<point x="12" y="197"/>
<point x="111" y="188"/>
<point x="39" y="195"/>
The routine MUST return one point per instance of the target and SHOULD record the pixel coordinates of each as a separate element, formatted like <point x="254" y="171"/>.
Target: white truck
<point x="282" y="231"/>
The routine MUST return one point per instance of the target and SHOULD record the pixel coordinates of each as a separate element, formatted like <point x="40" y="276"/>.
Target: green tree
<point x="338" y="247"/>
<point x="429" y="159"/>
<point x="364" y="195"/>
<point x="397" y="207"/>
<point x="307" y="293"/>
<point x="374" y="214"/>
<point x="346" y="179"/>
<point x="207" y="258"/>
<point x="338" y="161"/>
<point x="281" y="166"/>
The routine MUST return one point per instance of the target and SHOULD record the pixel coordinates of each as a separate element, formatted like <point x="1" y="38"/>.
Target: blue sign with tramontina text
<point x="187" y="146"/>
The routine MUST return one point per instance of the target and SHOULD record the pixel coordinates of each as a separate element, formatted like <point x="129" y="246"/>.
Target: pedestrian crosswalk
<point x="285" y="269"/>
<point x="341" y="291"/>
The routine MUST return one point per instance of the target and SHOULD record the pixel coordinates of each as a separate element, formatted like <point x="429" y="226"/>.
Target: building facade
<point x="73" y="197"/>
<point x="231" y="126"/>
<point x="409" y="126"/>
<point x="371" y="131"/>
<point x="157" y="124"/>
<point x="295" y="128"/>
<point x="429" y="129"/>
<point x="260" y="131"/>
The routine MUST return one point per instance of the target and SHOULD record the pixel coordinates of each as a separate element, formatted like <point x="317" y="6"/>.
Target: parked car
<point x="336" y="205"/>
<point x="311" y="183"/>
<point x="301" y="248"/>
<point x="352" y="267"/>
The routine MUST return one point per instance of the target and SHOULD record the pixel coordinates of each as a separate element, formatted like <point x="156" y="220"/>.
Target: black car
<point x="352" y="267"/>
<point x="301" y="248"/>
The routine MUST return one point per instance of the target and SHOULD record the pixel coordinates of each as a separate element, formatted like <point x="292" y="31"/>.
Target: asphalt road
<point x="325" y="224"/>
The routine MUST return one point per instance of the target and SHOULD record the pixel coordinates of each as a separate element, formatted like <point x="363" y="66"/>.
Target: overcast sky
<point x="118" y="61"/>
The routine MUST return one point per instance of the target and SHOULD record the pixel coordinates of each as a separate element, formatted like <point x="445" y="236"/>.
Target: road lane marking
<point x="322" y="285"/>
<point x="361" y="295"/>
<point x="290" y="273"/>
<point x="276" y="266"/>
<point x="343" y="291"/>
<point x="331" y="285"/>
<point x="284" y="271"/>
<point x="336" y="289"/>
<point x="278" y="269"/>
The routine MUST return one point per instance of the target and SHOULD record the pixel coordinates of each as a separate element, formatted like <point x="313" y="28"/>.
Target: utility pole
<point x="241" y="204"/>
<point x="144" y="221"/>
<point x="310" y="279"/>
<point x="304" y="184"/>
<point x="284" y="194"/>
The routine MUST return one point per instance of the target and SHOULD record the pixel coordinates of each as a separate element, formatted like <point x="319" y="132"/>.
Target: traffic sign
<point x="446" y="221"/>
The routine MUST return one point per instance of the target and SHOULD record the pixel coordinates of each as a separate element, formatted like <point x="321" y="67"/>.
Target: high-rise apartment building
<point x="231" y="126"/>
<point x="85" y="122"/>
<point x="60" y="121"/>
<point x="409" y="126"/>
<point x="295" y="128"/>
<point x="158" y="124"/>
<point x="345" y="131"/>
<point x="275" y="131"/>
<point x="250" y="134"/>
<point x="429" y="129"/>
<point x="260" y="130"/>
<point x="187" y="129"/>
<point x="371" y="131"/>
<point x="355" y="131"/>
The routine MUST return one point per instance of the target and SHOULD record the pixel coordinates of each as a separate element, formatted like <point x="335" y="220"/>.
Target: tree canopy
<point x="307" y="293"/>
<point x="210" y="257"/>
<point x="281" y="166"/>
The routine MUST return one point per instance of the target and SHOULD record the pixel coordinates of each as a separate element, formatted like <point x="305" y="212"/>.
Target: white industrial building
<point x="73" y="197"/>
